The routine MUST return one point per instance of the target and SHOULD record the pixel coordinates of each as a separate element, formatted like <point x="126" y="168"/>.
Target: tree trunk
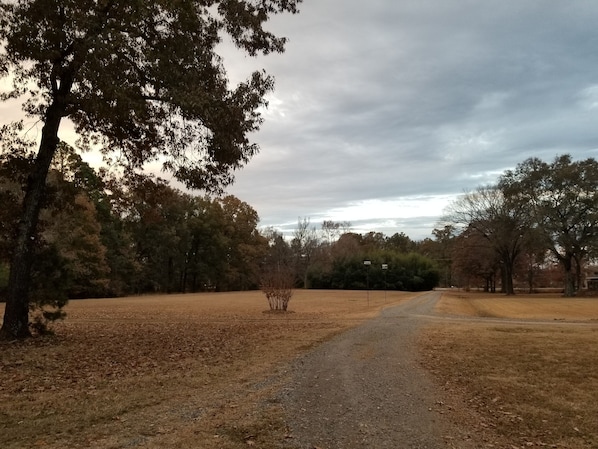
<point x="509" y="289"/>
<point x="16" y="314"/>
<point x="578" y="274"/>
<point x="569" y="277"/>
<point x="508" y="276"/>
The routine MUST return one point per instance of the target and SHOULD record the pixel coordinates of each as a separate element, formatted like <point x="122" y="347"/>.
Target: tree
<point x="332" y="230"/>
<point x="400" y="242"/>
<point x="110" y="202"/>
<point x="475" y="261"/>
<point x="348" y="244"/>
<point x="74" y="231"/>
<point x="69" y="256"/>
<point x="501" y="219"/>
<point x="304" y="244"/>
<point x="278" y="275"/>
<point x="72" y="224"/>
<point x="409" y="272"/>
<point x="562" y="197"/>
<point x="205" y="252"/>
<point x="245" y="246"/>
<point x="156" y="221"/>
<point x="440" y="250"/>
<point x="139" y="78"/>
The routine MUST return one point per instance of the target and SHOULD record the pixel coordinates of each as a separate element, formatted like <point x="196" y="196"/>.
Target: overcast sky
<point x="386" y="110"/>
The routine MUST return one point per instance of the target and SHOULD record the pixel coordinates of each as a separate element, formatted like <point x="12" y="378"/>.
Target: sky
<point x="386" y="111"/>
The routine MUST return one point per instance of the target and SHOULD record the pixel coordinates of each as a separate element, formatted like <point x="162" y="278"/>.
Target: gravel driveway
<point x="364" y="389"/>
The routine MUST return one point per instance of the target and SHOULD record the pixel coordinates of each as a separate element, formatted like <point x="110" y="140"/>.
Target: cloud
<point x="386" y="104"/>
<point x="384" y="111"/>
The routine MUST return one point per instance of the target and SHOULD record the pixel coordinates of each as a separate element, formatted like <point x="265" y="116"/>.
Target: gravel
<point x="365" y="389"/>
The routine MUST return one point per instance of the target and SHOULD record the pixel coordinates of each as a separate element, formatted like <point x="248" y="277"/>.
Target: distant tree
<point x="411" y="272"/>
<point x="73" y="226"/>
<point x="533" y="257"/>
<point x="400" y="242"/>
<point x="328" y="237"/>
<point x="346" y="246"/>
<point x="500" y="218"/>
<point x="75" y="232"/>
<point x="245" y="246"/>
<point x="475" y="261"/>
<point x="206" y="252"/>
<point x="141" y="79"/>
<point x="111" y="203"/>
<point x="419" y="273"/>
<point x="332" y="230"/>
<point x="305" y="244"/>
<point x="155" y="219"/>
<point x="440" y="250"/>
<point x="13" y="170"/>
<point x="372" y="241"/>
<point x="562" y="198"/>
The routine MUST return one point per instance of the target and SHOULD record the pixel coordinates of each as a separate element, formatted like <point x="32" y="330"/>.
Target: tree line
<point x="102" y="235"/>
<point x="539" y="219"/>
<point x="336" y="258"/>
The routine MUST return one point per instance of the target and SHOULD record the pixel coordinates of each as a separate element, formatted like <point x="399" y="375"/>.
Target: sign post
<point x="384" y="269"/>
<point x="367" y="264"/>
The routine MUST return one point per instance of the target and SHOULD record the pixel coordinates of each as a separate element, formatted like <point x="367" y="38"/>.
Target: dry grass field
<point x="174" y="371"/>
<point x="205" y="371"/>
<point x="531" y="381"/>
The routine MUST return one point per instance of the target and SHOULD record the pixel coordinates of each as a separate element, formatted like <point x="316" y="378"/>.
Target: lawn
<point x="174" y="371"/>
<point x="531" y="381"/>
<point x="206" y="370"/>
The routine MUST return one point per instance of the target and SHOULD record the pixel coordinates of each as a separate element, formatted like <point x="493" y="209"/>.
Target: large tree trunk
<point x="509" y="288"/>
<point x="507" y="267"/>
<point x="569" y="276"/>
<point x="16" y="314"/>
<point x="578" y="274"/>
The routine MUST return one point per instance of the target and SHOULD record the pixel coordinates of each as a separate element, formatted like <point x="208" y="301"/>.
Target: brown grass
<point x="175" y="371"/>
<point x="525" y="385"/>
<point x="205" y="371"/>
<point x="536" y="307"/>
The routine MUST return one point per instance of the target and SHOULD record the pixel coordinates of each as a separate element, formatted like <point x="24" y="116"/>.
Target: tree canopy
<point x="562" y="198"/>
<point x="537" y="210"/>
<point x="143" y="78"/>
<point x="497" y="218"/>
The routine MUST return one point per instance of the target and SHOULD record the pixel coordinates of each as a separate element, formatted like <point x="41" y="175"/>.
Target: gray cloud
<point x="394" y="99"/>
<point x="384" y="111"/>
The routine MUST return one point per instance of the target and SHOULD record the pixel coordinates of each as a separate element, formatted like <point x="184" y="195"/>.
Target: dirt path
<point x="364" y="389"/>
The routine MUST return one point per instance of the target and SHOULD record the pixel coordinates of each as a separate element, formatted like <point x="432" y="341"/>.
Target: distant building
<point x="591" y="279"/>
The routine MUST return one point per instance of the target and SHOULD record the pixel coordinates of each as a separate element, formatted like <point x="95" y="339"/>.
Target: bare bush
<point x="277" y="284"/>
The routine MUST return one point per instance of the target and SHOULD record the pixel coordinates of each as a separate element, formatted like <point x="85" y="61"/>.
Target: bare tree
<point x="278" y="275"/>
<point x="475" y="262"/>
<point x="332" y="230"/>
<point x="305" y="243"/>
<point x="502" y="221"/>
